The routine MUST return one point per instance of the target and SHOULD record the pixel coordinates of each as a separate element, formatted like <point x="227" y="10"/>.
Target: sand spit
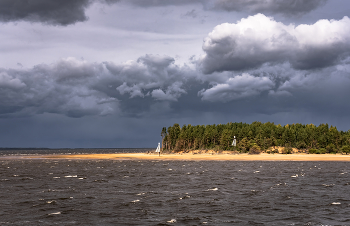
<point x="194" y="157"/>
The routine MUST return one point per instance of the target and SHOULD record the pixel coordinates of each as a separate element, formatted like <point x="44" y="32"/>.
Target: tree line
<point x="256" y="136"/>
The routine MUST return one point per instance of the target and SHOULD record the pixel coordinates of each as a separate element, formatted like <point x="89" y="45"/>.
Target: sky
<point x="113" y="73"/>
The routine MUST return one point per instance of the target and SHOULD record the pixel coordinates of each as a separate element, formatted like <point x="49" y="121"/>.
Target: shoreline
<point x="189" y="157"/>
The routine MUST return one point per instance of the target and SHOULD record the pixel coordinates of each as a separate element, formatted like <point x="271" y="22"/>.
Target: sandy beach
<point x="195" y="157"/>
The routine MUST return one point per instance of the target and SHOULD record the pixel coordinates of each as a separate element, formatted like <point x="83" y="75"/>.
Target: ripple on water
<point x="194" y="193"/>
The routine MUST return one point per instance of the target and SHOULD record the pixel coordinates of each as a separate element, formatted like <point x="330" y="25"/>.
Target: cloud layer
<point x="291" y="7"/>
<point x="77" y="88"/>
<point x="258" y="39"/>
<point x="66" y="12"/>
<point x="257" y="62"/>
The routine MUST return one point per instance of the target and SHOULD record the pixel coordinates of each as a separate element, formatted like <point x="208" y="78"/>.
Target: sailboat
<point x="234" y="141"/>
<point x="158" y="149"/>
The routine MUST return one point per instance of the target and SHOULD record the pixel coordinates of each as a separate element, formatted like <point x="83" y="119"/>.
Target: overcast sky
<point x="112" y="73"/>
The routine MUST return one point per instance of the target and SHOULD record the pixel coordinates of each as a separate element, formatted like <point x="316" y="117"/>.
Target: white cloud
<point x="258" y="39"/>
<point x="238" y="87"/>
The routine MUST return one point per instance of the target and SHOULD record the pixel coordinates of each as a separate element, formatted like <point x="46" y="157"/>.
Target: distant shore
<point x="192" y="157"/>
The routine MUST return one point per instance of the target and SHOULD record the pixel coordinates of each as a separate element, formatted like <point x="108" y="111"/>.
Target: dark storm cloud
<point x="61" y="12"/>
<point x="151" y="75"/>
<point x="77" y="88"/>
<point x="258" y="39"/>
<point x="62" y="88"/>
<point x="155" y="84"/>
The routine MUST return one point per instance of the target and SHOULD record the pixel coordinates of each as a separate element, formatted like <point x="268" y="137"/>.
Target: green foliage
<point x="254" y="150"/>
<point x="345" y="149"/>
<point x="322" y="151"/>
<point x="330" y="148"/>
<point x="287" y="150"/>
<point x="317" y="139"/>
<point x="312" y="151"/>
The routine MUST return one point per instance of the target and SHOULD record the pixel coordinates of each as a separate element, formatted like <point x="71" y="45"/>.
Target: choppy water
<point x="45" y="151"/>
<point x="130" y="192"/>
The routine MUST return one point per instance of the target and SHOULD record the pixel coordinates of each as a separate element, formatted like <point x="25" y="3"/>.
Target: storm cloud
<point x="62" y="12"/>
<point x="256" y="40"/>
<point x="78" y="88"/>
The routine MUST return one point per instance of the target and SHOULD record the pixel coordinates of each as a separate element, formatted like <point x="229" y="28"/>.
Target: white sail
<point x="234" y="141"/>
<point x="158" y="148"/>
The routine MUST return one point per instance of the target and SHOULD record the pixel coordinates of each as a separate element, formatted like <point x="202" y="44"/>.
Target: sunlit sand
<point x="196" y="157"/>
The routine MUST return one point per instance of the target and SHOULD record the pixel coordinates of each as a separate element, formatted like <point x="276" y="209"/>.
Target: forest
<point x="256" y="137"/>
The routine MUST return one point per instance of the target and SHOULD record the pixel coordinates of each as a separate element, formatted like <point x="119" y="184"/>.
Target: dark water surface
<point x="46" y="151"/>
<point x="131" y="192"/>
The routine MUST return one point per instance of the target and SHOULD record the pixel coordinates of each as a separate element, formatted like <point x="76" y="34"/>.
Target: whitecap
<point x="172" y="221"/>
<point x="336" y="203"/>
<point x="256" y="171"/>
<point x="135" y="201"/>
<point x="71" y="176"/>
<point x="214" y="189"/>
<point x="55" y="213"/>
<point x="56" y="177"/>
<point x="170" y="169"/>
<point x="51" y="201"/>
<point x="296" y="175"/>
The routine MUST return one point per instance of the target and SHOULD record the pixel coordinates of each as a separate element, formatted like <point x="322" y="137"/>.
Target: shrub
<point x="313" y="151"/>
<point x="255" y="150"/>
<point x="330" y="148"/>
<point x="345" y="149"/>
<point x="322" y="151"/>
<point x="301" y="145"/>
<point x="287" y="150"/>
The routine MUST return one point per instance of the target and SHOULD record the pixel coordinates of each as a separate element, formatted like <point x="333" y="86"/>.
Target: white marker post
<point x="158" y="148"/>
<point x="234" y="141"/>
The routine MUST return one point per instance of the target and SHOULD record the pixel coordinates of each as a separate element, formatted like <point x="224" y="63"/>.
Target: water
<point x="132" y="192"/>
<point x="46" y="151"/>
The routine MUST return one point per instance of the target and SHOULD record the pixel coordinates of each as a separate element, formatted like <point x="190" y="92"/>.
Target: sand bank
<point x="196" y="157"/>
